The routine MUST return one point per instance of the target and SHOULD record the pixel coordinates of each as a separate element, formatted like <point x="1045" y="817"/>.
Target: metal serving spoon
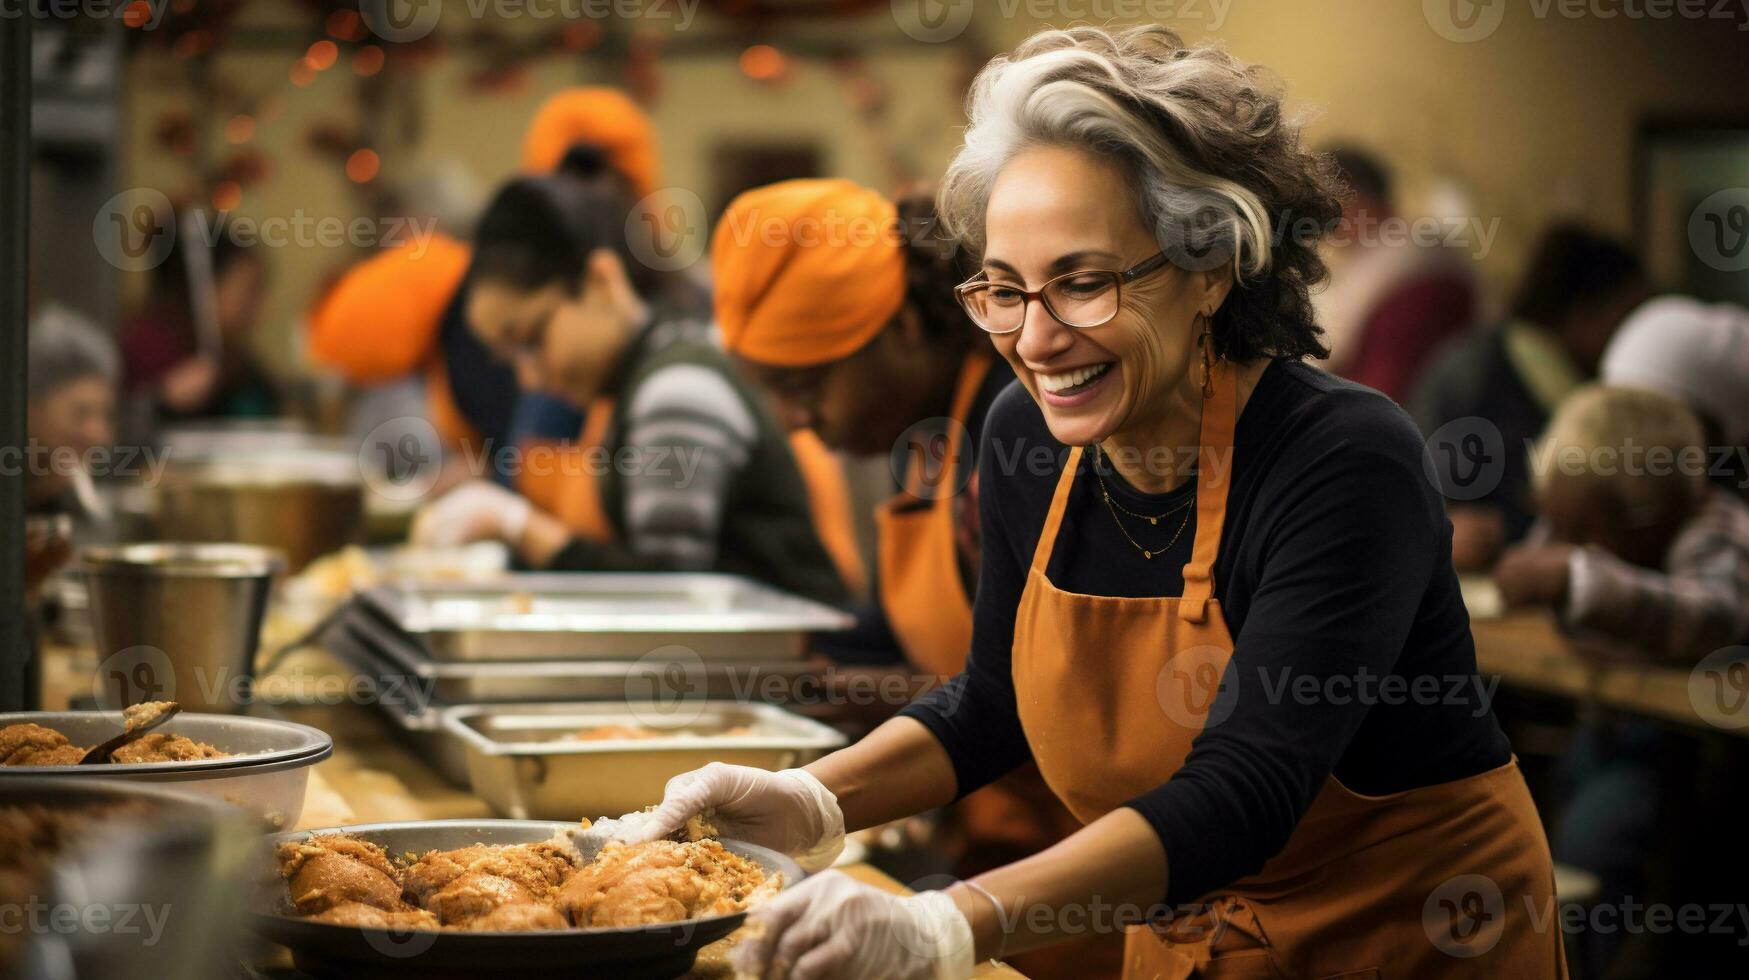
<point x="137" y="719"/>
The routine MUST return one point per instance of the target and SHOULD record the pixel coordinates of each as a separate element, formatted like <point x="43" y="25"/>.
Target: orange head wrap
<point x="603" y="117"/>
<point x="380" y="320"/>
<point x="806" y="271"/>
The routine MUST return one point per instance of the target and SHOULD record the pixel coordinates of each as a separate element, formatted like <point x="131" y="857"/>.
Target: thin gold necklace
<point x="1113" y="506"/>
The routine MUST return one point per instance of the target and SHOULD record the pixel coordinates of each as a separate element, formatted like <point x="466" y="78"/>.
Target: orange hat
<point x="380" y="320"/>
<point x="604" y="117"/>
<point x="806" y="271"/>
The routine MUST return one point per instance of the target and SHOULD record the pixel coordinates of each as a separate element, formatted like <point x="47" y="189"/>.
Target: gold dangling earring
<point x="1205" y="341"/>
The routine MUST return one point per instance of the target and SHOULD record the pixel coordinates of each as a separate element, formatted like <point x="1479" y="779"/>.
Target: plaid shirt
<point x="1698" y="604"/>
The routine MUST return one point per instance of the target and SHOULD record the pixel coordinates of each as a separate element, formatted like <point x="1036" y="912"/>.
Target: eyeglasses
<point x="1082" y="299"/>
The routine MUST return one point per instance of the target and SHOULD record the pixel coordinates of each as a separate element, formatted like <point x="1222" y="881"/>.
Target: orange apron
<point x="925" y="600"/>
<point x="1445" y="881"/>
<point x="565" y="485"/>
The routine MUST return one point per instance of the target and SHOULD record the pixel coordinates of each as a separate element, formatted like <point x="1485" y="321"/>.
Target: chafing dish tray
<point x="639" y="953"/>
<point x="572" y="616"/>
<point x="402" y="670"/>
<point x="548" y="761"/>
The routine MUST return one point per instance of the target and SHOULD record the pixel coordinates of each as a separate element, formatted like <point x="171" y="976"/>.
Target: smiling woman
<point x="1227" y="629"/>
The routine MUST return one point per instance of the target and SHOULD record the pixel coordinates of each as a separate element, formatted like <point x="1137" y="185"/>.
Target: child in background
<point x="1634" y="546"/>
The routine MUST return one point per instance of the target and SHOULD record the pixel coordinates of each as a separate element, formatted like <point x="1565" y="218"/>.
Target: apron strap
<point x="1047" y="535"/>
<point x="1214" y="471"/>
<point x="965" y="393"/>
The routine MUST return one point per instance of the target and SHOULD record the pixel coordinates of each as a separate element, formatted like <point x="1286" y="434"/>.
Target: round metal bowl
<point x="267" y="773"/>
<point x="639" y="953"/>
<point x="168" y="880"/>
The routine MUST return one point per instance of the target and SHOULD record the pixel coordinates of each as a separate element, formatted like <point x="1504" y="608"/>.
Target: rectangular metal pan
<point x="523" y="760"/>
<point x="603" y="616"/>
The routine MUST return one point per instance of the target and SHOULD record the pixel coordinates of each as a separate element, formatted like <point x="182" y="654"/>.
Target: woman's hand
<point x="789" y="811"/>
<point x="478" y="510"/>
<point x="832" y="926"/>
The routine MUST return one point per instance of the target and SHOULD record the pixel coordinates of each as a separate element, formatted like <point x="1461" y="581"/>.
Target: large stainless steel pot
<point x="305" y="502"/>
<point x="178" y="622"/>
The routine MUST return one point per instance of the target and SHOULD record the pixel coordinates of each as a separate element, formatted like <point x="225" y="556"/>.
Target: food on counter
<point x="31" y="837"/>
<point x="145" y="714"/>
<point x="30" y="744"/>
<point x="662" y="881"/>
<point x="518" y="887"/>
<point x="325" y="873"/>
<point x="620" y="732"/>
<point x="164" y="747"/>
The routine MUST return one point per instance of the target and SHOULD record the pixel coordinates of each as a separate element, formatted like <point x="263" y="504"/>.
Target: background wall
<point x="1535" y="120"/>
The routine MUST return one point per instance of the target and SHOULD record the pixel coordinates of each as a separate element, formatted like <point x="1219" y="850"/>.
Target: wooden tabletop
<point x="1526" y="650"/>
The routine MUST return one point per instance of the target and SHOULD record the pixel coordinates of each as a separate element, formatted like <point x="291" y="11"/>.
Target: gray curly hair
<point x="64" y="347"/>
<point x="1219" y="174"/>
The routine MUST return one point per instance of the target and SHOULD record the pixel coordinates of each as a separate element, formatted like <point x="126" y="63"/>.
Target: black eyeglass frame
<point x="1145" y="267"/>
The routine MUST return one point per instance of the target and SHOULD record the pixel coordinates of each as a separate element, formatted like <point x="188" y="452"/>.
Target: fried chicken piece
<point x="27" y="744"/>
<point x="661" y="881"/>
<point x="364" y="916"/>
<point x="518" y="918"/>
<point x="540" y="869"/>
<point x="164" y="747"/>
<point x="333" y="870"/>
<point x="476" y="895"/>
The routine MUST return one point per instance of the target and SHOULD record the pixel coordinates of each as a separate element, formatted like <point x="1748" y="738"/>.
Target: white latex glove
<point x="478" y="510"/>
<point x="832" y="926"/>
<point x="789" y="811"/>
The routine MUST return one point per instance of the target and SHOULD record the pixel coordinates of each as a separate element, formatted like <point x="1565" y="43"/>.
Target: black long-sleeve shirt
<point x="1353" y="655"/>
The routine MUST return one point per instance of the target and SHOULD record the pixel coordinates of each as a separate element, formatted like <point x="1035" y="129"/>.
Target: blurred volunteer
<point x="402" y="312"/>
<point x="680" y="467"/>
<point x="1206" y="619"/>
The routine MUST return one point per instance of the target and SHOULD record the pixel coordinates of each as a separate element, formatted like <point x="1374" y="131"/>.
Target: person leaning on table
<point x="1123" y="190"/>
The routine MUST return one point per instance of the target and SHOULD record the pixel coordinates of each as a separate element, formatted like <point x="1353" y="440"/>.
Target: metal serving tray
<point x="377" y="651"/>
<point x="603" y="616"/>
<point x="522" y="760"/>
<point x="654" y="952"/>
